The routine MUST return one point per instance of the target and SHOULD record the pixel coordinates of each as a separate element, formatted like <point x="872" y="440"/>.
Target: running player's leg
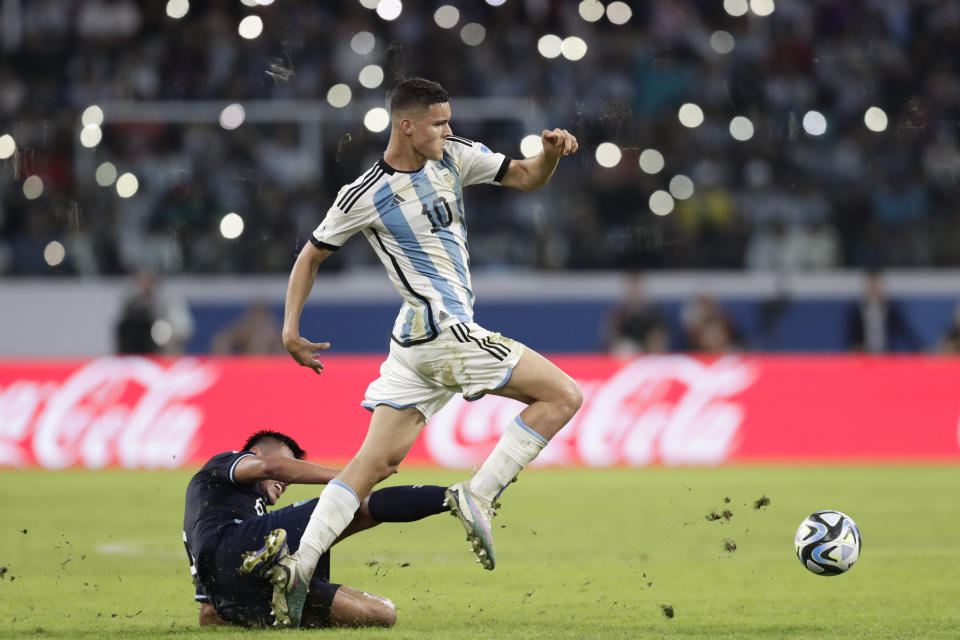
<point x="552" y="399"/>
<point x="391" y="434"/>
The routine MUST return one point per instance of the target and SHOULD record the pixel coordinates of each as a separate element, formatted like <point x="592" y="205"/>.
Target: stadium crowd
<point x="784" y="199"/>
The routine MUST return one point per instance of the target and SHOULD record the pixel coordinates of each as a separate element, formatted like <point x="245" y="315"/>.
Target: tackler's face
<point x="272" y="489"/>
<point x="428" y="130"/>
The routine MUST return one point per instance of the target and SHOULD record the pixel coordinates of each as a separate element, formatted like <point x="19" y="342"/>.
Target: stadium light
<point x="619" y="13"/>
<point x="661" y="202"/>
<point x="446" y="16"/>
<point x="231" y="226"/>
<point x="7" y="146"/>
<point x="608" y="154"/>
<point x="369" y="4"/>
<point x="722" y="42"/>
<point x="761" y="7"/>
<point x="549" y="45"/>
<point x="92" y="115"/>
<point x="127" y="185"/>
<point x="495" y="3"/>
<point x="681" y="187"/>
<point x="91" y="135"/>
<point x="106" y="174"/>
<point x="876" y="119"/>
<point x="690" y="115"/>
<point x="573" y="48"/>
<point x="377" y="119"/>
<point x="651" y="161"/>
<point x="473" y="34"/>
<point x="32" y="187"/>
<point x="54" y="253"/>
<point x="250" y="27"/>
<point x="389" y="9"/>
<point x="339" y="96"/>
<point x="814" y="123"/>
<point x="736" y="7"/>
<point x="371" y="76"/>
<point x="176" y="9"/>
<point x="232" y="116"/>
<point x="591" y="10"/>
<point x="363" y="42"/>
<point x="531" y="145"/>
<point x="249" y="3"/>
<point x="741" y="128"/>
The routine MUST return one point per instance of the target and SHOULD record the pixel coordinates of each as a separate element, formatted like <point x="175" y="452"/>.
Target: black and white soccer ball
<point x="828" y="543"/>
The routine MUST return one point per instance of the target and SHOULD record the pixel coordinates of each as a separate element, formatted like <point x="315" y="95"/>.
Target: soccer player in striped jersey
<point x="410" y="207"/>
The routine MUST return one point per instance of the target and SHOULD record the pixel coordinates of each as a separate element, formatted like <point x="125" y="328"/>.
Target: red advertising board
<point x="671" y="410"/>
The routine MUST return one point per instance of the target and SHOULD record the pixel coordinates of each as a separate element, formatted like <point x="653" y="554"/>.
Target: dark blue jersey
<point x="214" y="500"/>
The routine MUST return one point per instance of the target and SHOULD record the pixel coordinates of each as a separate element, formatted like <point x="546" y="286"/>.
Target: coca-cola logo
<point x="673" y="409"/>
<point x="130" y="411"/>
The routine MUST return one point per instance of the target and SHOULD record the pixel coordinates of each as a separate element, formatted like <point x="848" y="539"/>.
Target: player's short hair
<point x="417" y="92"/>
<point x="276" y="436"/>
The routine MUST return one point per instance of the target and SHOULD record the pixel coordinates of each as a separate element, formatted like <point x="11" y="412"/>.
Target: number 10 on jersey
<point x="438" y="213"/>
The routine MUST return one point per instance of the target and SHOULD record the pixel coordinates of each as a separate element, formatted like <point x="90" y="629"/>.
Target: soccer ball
<point x="828" y="543"/>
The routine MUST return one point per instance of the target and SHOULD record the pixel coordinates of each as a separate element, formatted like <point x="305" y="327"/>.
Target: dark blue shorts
<point x="245" y="599"/>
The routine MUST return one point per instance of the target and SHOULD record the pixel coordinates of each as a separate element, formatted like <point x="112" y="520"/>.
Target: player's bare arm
<point x="282" y="469"/>
<point x="533" y="173"/>
<point x="302" y="275"/>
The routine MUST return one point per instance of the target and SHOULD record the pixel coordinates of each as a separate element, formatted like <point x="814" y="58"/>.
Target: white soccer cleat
<point x="475" y="516"/>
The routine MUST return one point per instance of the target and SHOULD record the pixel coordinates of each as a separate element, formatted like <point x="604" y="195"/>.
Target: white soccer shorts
<point x="465" y="358"/>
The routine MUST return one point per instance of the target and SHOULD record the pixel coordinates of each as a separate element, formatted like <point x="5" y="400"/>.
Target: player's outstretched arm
<point x="282" y="469"/>
<point x="302" y="275"/>
<point x="533" y="173"/>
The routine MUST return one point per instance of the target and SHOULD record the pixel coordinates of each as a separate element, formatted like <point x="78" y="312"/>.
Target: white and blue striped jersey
<point x="416" y="224"/>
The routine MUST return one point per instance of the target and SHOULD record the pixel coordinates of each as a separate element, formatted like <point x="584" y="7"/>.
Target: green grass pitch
<point x="581" y="554"/>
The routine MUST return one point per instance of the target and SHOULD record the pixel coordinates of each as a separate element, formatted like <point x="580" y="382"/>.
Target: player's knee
<point x="389" y="613"/>
<point x="571" y="399"/>
<point x="388" y="470"/>
<point x="382" y="612"/>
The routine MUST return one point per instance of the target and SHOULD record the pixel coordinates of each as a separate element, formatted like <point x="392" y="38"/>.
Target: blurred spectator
<point x="255" y="332"/>
<point x="152" y="322"/>
<point x="708" y="328"/>
<point x="876" y="324"/>
<point x="950" y="340"/>
<point x="636" y="325"/>
<point x="790" y="194"/>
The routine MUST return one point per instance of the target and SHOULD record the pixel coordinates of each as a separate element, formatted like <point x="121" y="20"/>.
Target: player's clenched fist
<point x="559" y="142"/>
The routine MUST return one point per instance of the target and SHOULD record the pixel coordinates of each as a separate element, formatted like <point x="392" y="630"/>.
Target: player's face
<point x="430" y="130"/>
<point x="273" y="489"/>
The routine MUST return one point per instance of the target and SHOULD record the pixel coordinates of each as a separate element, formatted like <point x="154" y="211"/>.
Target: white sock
<point x="517" y="447"/>
<point x="334" y="511"/>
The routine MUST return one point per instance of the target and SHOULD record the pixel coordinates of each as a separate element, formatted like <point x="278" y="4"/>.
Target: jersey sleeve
<point x="478" y="164"/>
<point x="224" y="464"/>
<point x="344" y="218"/>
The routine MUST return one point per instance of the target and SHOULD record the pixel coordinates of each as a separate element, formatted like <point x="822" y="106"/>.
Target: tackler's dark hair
<point x="282" y="438"/>
<point x="417" y="92"/>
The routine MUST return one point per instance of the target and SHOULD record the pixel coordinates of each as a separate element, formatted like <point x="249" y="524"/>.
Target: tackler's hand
<point x="559" y="143"/>
<point x="306" y="353"/>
